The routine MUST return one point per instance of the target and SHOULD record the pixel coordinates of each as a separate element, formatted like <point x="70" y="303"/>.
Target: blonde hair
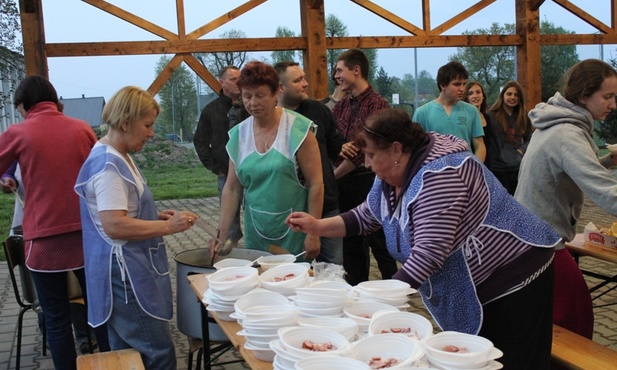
<point x="127" y="106"/>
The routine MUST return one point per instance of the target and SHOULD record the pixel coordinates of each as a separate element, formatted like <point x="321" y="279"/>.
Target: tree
<point x="555" y="60"/>
<point x="493" y="66"/>
<point x="383" y="84"/>
<point x="12" y="67"/>
<point x="607" y="129"/>
<point x="215" y="61"/>
<point x="285" y="55"/>
<point x="178" y="99"/>
<point x="334" y="28"/>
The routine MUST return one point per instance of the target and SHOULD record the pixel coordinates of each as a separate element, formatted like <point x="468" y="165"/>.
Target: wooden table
<point x="578" y="247"/>
<point x="199" y="284"/>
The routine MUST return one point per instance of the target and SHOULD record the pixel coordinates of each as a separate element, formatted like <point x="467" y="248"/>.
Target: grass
<point x="168" y="182"/>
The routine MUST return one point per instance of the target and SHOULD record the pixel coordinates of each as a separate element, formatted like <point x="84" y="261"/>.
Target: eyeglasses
<point x="375" y="133"/>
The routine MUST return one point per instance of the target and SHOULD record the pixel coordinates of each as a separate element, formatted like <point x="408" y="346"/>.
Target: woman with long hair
<point x="511" y="131"/>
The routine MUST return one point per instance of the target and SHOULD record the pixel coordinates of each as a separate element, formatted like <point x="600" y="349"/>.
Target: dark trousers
<point x="353" y="190"/>
<point x="52" y="291"/>
<point x="521" y="324"/>
<point x="509" y="180"/>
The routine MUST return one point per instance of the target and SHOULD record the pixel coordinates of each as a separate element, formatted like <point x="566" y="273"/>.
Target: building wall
<point x="12" y="71"/>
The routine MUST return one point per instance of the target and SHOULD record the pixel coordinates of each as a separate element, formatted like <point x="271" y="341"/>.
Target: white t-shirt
<point x="113" y="193"/>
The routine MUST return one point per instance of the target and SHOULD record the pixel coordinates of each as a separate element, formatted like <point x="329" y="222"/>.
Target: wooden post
<point x="314" y="56"/>
<point x="528" y="55"/>
<point x="33" y="33"/>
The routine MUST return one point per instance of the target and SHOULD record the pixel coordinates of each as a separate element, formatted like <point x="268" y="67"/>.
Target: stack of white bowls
<point x="331" y="363"/>
<point x="226" y="286"/>
<point x="294" y="344"/>
<point x="343" y="325"/>
<point x="454" y="350"/>
<point x="390" y="291"/>
<point x="324" y="299"/>
<point x="258" y="297"/>
<point x="285" y="278"/>
<point x="260" y="325"/>
<point x="408" y="323"/>
<point x="362" y="313"/>
<point x="396" y="350"/>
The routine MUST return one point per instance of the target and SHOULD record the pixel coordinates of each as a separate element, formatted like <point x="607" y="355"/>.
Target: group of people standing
<point x="334" y="183"/>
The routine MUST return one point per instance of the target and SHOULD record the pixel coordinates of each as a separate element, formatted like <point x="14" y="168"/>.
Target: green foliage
<point x="384" y="84"/>
<point x="334" y="28"/>
<point x="607" y="130"/>
<point x="10" y="26"/>
<point x="178" y="100"/>
<point x="493" y="66"/>
<point x="216" y="61"/>
<point x="285" y="55"/>
<point x="556" y="60"/>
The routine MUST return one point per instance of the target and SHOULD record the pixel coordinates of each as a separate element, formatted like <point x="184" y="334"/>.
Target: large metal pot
<point x="188" y="314"/>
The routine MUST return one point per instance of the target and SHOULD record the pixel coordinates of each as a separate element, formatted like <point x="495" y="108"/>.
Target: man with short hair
<point x="448" y="114"/>
<point x="355" y="180"/>
<point x="211" y="135"/>
<point x="293" y="96"/>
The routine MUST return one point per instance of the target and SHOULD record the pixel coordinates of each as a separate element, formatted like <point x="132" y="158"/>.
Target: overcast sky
<point x="76" y="21"/>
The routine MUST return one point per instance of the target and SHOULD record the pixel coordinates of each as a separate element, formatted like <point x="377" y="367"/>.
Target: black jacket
<point x="211" y="134"/>
<point x="330" y="142"/>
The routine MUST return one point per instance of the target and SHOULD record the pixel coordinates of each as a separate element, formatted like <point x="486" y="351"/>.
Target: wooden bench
<point x="126" y="359"/>
<point x="576" y="352"/>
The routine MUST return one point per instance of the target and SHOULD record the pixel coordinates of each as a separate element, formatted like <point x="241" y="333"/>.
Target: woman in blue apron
<point x="481" y="262"/>
<point x="127" y="272"/>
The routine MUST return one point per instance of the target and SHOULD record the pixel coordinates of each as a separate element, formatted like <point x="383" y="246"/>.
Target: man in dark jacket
<point x="293" y="96"/>
<point x="211" y="135"/>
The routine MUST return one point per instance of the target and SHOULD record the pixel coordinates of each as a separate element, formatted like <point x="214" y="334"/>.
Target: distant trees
<point x="285" y="55"/>
<point x="12" y="67"/>
<point x="215" y="61"/>
<point x="607" y="130"/>
<point x="493" y="66"/>
<point x="178" y="100"/>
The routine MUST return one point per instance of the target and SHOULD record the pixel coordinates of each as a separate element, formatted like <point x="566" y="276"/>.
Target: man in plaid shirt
<point x="354" y="180"/>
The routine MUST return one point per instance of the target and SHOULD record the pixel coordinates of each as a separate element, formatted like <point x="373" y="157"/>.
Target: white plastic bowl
<point x="384" y="288"/>
<point x="478" y="348"/>
<point x="231" y="262"/>
<point x="292" y="339"/>
<point x="297" y="274"/>
<point x="344" y="325"/>
<point x="386" y="346"/>
<point x="259" y="297"/>
<point x="268" y="262"/>
<point x="389" y="322"/>
<point x="271" y="312"/>
<point x="358" y="311"/>
<point x="263" y="354"/>
<point x="233" y="281"/>
<point x="330" y="363"/>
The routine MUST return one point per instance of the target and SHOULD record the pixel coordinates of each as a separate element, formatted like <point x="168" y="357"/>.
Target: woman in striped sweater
<point x="481" y="262"/>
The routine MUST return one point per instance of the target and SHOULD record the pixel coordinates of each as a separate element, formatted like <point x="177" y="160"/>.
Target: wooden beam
<point x="202" y="72"/>
<point x="578" y="39"/>
<point x="173" y="47"/>
<point x="165" y="74"/>
<point x="535" y="4"/>
<point x="33" y="36"/>
<point x="461" y="17"/>
<point x="580" y="13"/>
<point x="229" y="16"/>
<point x="390" y="17"/>
<point x="314" y="56"/>
<point x="434" y="41"/>
<point x="528" y="54"/>
<point x="180" y="19"/>
<point x="132" y="19"/>
<point x="426" y="16"/>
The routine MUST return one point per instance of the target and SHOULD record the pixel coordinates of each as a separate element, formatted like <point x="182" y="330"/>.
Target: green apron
<point x="272" y="182"/>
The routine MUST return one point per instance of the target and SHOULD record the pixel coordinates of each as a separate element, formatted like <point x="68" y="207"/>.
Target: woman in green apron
<point x="274" y="164"/>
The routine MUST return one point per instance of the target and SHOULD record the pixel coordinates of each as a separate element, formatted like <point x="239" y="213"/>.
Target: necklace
<point x="266" y="138"/>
